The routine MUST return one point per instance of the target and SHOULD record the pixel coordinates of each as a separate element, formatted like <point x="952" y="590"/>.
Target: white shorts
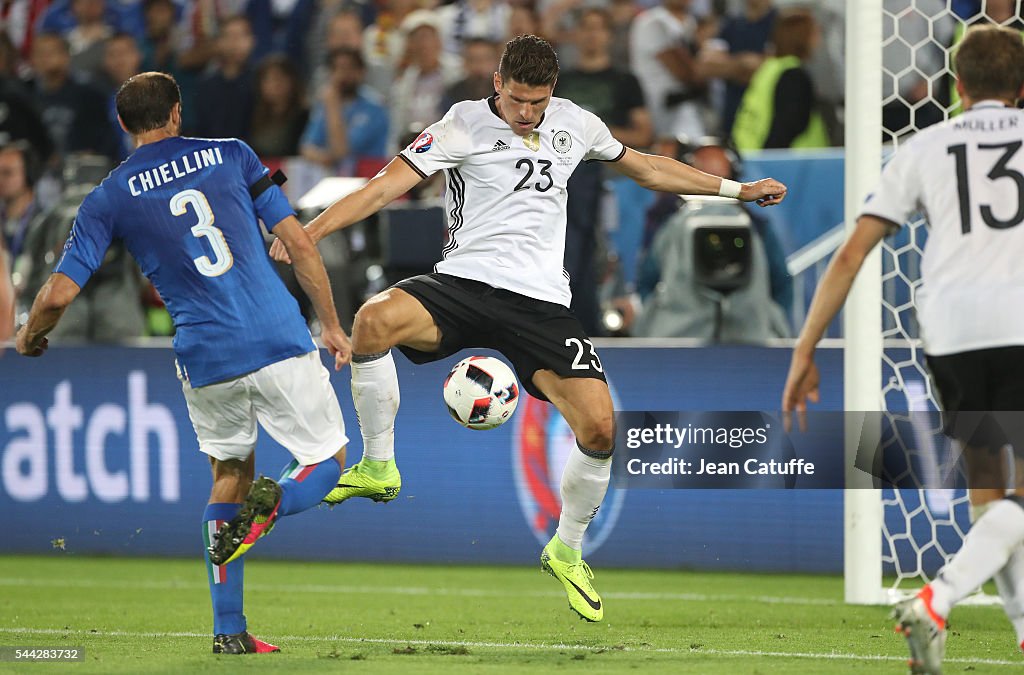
<point x="292" y="399"/>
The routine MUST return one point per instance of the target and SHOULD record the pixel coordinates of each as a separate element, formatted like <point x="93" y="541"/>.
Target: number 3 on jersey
<point x="223" y="260"/>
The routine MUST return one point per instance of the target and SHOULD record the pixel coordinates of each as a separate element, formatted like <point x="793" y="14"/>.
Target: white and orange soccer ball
<point x="481" y="392"/>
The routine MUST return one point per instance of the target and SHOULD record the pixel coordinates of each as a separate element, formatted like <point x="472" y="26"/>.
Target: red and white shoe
<point x="241" y="643"/>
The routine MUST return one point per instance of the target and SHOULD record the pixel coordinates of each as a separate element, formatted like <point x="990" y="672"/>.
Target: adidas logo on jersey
<point x="500" y="145"/>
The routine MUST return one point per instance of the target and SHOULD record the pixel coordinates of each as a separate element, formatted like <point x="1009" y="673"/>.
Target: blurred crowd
<point x="336" y="87"/>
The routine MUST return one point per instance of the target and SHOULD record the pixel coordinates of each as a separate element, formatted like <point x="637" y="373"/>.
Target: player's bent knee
<point x="598" y="435"/>
<point x="374" y="328"/>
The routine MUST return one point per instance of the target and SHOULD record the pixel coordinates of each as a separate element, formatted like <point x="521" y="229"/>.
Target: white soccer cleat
<point x="925" y="632"/>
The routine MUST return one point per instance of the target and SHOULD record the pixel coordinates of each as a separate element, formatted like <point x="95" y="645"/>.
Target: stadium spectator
<point x="21" y="22"/>
<point x="227" y="91"/>
<point x="741" y="47"/>
<point x="615" y="97"/>
<point x="20" y="168"/>
<point x="60" y="17"/>
<point x="87" y="40"/>
<point x="244" y="354"/>
<point x="22" y="119"/>
<point x="121" y="60"/>
<point x="197" y="27"/>
<point x="343" y="29"/>
<point x="384" y="44"/>
<point x="280" y="114"/>
<point x="464" y="19"/>
<point x="662" y="49"/>
<point x="522" y="20"/>
<point x="479" y="61"/>
<point x="281" y="27"/>
<point x="348" y="123"/>
<point x="675" y="305"/>
<point x="969" y="292"/>
<point x="997" y="12"/>
<point x="418" y="94"/>
<point x="74" y="113"/>
<point x="179" y="53"/>
<point x="598" y="85"/>
<point x="779" y="109"/>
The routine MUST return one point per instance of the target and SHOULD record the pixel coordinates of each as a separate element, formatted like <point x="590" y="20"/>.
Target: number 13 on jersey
<point x="222" y="258"/>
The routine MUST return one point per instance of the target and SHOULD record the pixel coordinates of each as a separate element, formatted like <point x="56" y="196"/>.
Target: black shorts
<point x="533" y="334"/>
<point x="982" y="396"/>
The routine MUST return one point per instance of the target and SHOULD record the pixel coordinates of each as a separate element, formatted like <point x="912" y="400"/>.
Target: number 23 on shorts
<point x="577" y="362"/>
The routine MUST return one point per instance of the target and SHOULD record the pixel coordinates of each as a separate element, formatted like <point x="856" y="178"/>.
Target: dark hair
<point x="29" y="159"/>
<point x="262" y="114"/>
<point x="990" y="62"/>
<point x="529" y="60"/>
<point x="50" y="35"/>
<point x="351" y="53"/>
<point x="144" y="102"/>
<point x="792" y="33"/>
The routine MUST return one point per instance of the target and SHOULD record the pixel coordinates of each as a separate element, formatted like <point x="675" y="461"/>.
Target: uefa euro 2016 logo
<point x="540" y="447"/>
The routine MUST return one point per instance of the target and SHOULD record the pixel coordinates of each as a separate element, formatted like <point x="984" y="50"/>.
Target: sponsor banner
<point x="97" y="456"/>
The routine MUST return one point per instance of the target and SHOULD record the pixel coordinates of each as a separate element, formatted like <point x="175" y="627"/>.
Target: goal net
<point x="901" y="49"/>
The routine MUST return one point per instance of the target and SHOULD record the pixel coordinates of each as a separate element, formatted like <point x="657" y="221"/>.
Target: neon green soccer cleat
<point x="379" y="481"/>
<point x="575" y="577"/>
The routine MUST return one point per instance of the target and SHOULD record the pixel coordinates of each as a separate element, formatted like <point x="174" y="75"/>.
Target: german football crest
<point x="540" y="447"/>
<point x="561" y="142"/>
<point x="532" y="141"/>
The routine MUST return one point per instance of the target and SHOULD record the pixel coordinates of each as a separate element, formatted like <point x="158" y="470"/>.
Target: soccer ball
<point x="481" y="392"/>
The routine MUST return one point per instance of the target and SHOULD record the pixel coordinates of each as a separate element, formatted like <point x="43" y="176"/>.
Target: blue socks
<point x="225" y="580"/>
<point x="305" y="486"/>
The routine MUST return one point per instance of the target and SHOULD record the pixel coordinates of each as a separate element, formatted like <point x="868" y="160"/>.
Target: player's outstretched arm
<point x="53" y="298"/>
<point x="832" y="291"/>
<point x="665" y="174"/>
<point x="393" y="181"/>
<point x="309" y="270"/>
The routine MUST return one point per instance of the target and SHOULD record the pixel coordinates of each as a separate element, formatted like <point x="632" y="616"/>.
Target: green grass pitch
<point x="143" y="616"/>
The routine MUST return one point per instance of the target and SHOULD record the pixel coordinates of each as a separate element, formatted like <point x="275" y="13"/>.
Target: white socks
<point x="375" y="395"/>
<point x="1010" y="582"/>
<point x="584" y="482"/>
<point x="996" y="535"/>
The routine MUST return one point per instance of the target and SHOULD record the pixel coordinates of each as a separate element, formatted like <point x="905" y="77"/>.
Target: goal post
<point x="862" y="315"/>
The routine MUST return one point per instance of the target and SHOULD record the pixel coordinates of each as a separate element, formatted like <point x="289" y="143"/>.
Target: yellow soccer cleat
<point x="575" y="577"/>
<point x="379" y="481"/>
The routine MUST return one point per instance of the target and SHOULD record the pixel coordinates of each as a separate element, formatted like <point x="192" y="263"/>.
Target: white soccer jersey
<point x="966" y="176"/>
<point x="506" y="195"/>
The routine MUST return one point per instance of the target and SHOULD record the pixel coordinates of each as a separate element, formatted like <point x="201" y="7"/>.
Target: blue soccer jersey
<point x="183" y="209"/>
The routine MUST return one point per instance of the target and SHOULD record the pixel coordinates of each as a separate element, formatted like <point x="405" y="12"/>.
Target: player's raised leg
<point x="295" y="402"/>
<point x="390" y="318"/>
<point x="231" y="481"/>
<point x="586" y="406"/>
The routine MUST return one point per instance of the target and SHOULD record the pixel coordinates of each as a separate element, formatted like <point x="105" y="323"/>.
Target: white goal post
<point x="897" y="81"/>
<point x="862" y="315"/>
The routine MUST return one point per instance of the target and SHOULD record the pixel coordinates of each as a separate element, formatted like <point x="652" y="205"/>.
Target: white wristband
<point x="730" y="188"/>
